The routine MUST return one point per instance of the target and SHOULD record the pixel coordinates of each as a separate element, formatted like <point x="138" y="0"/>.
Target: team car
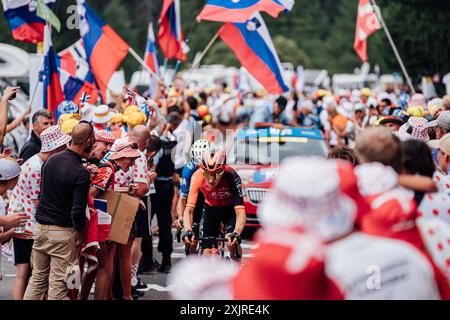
<point x="257" y="153"/>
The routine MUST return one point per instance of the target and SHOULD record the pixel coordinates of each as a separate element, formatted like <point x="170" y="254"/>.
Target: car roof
<point x="287" y="132"/>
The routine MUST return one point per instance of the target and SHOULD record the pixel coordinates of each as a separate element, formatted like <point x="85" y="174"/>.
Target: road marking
<point x="159" y="288"/>
<point x="250" y="246"/>
<point x="177" y="255"/>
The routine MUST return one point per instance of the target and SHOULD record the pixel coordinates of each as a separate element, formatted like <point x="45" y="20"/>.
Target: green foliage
<point x="317" y="33"/>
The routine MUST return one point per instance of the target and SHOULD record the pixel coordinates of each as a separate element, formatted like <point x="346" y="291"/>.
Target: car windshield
<point x="273" y="150"/>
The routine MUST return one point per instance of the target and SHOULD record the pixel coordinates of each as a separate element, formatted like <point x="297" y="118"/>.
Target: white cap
<point x="9" y="169"/>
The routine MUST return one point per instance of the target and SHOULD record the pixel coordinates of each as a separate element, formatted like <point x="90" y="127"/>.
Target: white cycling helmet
<point x="197" y="150"/>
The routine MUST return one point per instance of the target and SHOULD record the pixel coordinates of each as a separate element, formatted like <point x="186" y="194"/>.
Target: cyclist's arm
<point x="181" y="206"/>
<point x="240" y="219"/>
<point x="185" y="186"/>
<point x="239" y="208"/>
<point x="192" y="199"/>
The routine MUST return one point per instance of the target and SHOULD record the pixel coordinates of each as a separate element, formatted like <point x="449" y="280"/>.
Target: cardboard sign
<point x="123" y="209"/>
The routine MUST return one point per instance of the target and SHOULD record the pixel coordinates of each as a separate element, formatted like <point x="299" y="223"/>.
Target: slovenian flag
<point x="253" y="46"/>
<point x="170" y="35"/>
<point x="23" y="21"/>
<point x="53" y="94"/>
<point x="242" y="10"/>
<point x="151" y="55"/>
<point x="105" y="49"/>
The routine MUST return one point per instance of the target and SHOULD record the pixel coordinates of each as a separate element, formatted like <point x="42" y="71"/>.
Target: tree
<point x="288" y="51"/>
<point x="322" y="30"/>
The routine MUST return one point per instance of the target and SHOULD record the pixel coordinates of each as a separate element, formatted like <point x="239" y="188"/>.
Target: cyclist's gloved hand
<point x="234" y="237"/>
<point x="187" y="236"/>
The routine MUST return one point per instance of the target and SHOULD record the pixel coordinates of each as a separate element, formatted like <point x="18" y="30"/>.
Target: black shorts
<point x="22" y="251"/>
<point x="212" y="220"/>
<point x="142" y="222"/>
<point x="198" y="212"/>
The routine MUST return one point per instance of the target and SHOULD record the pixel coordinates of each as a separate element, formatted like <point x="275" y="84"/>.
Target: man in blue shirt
<point x="266" y="116"/>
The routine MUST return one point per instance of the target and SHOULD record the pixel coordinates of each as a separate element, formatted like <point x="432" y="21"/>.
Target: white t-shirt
<point x="183" y="137"/>
<point x="137" y="172"/>
<point x="27" y="190"/>
<point x="373" y="268"/>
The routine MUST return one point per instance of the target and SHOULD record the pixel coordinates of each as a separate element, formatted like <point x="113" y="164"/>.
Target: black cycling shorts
<point x="211" y="223"/>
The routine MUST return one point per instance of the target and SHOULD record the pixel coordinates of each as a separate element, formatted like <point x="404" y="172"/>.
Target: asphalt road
<point x="158" y="289"/>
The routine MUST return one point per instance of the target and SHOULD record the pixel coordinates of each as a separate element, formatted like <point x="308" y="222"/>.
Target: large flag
<point x="105" y="49"/>
<point x="254" y="48"/>
<point x="53" y="94"/>
<point x="366" y="24"/>
<point x="241" y="11"/>
<point x="76" y="77"/>
<point x="170" y="35"/>
<point x="23" y="21"/>
<point x="151" y="55"/>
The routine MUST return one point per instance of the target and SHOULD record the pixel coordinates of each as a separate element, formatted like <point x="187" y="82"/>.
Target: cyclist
<point x="197" y="150"/>
<point x="224" y="204"/>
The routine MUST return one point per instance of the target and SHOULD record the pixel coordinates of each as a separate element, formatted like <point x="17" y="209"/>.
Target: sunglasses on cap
<point x="209" y="175"/>
<point x="132" y="146"/>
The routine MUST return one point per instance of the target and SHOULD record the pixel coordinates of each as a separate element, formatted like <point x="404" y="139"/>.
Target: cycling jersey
<point x="227" y="193"/>
<point x="185" y="184"/>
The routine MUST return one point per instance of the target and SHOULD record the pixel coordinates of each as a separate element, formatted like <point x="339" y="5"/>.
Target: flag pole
<point x="141" y="62"/>
<point x="394" y="48"/>
<point x="209" y="45"/>
<point x="175" y="71"/>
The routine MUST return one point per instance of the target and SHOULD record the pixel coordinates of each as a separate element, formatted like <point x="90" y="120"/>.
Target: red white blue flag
<point x="23" y="21"/>
<point x="53" y="93"/>
<point x="151" y="55"/>
<point x="75" y="74"/>
<point x="170" y="35"/>
<point x="253" y="46"/>
<point x="242" y="10"/>
<point x="105" y="49"/>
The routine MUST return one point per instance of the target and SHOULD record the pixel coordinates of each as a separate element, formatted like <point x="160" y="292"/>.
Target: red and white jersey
<point x="442" y="181"/>
<point x="369" y="267"/>
<point x="137" y="172"/>
<point x="27" y="190"/>
<point x="436" y="236"/>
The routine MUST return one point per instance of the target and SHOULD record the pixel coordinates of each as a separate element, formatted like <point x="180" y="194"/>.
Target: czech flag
<point x="25" y="25"/>
<point x="254" y="48"/>
<point x="170" y="35"/>
<point x="53" y="94"/>
<point x="151" y="55"/>
<point x="105" y="49"/>
<point x="242" y="10"/>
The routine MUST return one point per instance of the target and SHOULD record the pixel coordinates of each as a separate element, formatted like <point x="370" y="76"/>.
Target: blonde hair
<point x="379" y="145"/>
